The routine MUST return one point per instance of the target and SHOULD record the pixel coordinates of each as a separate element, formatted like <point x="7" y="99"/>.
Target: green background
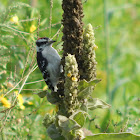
<point x="117" y="31"/>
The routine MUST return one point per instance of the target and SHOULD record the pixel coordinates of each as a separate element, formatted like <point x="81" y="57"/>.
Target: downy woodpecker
<point x="48" y="61"/>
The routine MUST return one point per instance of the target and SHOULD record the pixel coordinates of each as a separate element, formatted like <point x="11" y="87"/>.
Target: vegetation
<point x="116" y="28"/>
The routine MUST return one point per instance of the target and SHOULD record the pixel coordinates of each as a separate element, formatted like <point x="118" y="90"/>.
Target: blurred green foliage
<point x="19" y="25"/>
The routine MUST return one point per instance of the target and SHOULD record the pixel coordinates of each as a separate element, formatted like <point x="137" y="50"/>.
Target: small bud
<point x="74" y="79"/>
<point x="69" y="74"/>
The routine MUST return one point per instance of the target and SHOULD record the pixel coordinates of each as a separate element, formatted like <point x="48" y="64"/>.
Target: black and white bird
<point x="48" y="61"/>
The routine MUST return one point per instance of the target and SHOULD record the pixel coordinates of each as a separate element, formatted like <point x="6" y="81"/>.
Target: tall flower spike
<point x="88" y="54"/>
<point x="73" y="28"/>
<point x="71" y="83"/>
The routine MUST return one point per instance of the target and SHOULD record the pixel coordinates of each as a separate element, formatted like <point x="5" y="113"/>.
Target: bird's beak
<point x="51" y="41"/>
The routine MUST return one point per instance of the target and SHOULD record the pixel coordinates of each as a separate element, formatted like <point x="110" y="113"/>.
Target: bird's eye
<point x="40" y="43"/>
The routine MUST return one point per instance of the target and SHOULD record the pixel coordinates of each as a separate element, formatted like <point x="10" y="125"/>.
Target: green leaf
<point x="84" y="84"/>
<point x="3" y="77"/>
<point x="54" y="133"/>
<point x="53" y="97"/>
<point x="67" y="124"/>
<point x="42" y="94"/>
<point x="113" y="136"/>
<point x="84" y="107"/>
<point x="43" y="22"/>
<point x="80" y="118"/>
<point x="48" y="120"/>
<point x="85" y="92"/>
<point x="14" y="128"/>
<point x="94" y="82"/>
<point x="94" y="103"/>
<point x="68" y="127"/>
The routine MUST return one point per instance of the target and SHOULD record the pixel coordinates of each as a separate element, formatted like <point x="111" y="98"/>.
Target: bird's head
<point x="43" y="42"/>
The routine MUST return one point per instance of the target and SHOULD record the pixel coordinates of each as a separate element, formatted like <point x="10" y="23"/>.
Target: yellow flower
<point x="5" y="102"/>
<point x="22" y="107"/>
<point x="69" y="74"/>
<point x="14" y="19"/>
<point x="32" y="28"/>
<point x="95" y="47"/>
<point x="20" y="100"/>
<point x="45" y="87"/>
<point x="74" y="79"/>
<point x="30" y="103"/>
